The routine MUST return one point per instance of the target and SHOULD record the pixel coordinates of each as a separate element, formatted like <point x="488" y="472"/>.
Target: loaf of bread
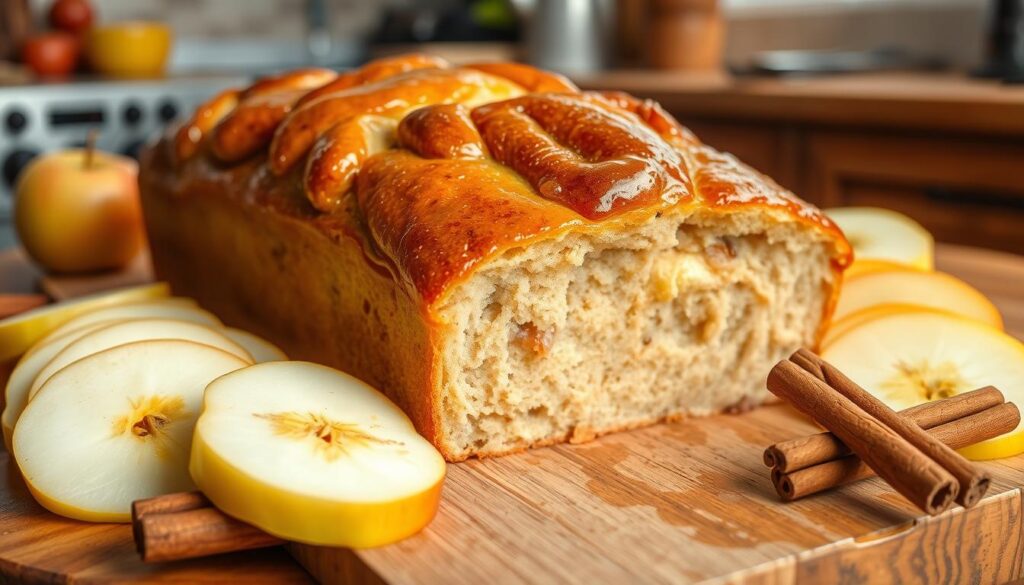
<point x="513" y="261"/>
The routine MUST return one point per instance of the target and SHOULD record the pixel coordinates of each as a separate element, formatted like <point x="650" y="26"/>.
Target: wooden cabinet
<point x="964" y="190"/>
<point x="946" y="150"/>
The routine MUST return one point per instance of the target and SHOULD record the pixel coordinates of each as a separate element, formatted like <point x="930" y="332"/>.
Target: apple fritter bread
<point x="511" y="260"/>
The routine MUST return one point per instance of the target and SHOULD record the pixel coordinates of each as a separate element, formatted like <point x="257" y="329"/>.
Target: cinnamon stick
<point x="179" y="502"/>
<point x="973" y="481"/>
<point x="804" y="452"/>
<point x="957" y="434"/>
<point x="186" y="525"/>
<point x="909" y="471"/>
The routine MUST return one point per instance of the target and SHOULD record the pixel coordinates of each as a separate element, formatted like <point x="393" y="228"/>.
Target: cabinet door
<point x="963" y="190"/>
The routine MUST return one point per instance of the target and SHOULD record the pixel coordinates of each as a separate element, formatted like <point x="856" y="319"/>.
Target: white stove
<point x="40" y="118"/>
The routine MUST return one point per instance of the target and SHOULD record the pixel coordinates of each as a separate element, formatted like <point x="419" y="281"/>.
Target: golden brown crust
<point x="391" y="97"/>
<point x="416" y="213"/>
<point x="441" y="132"/>
<point x="338" y="155"/>
<point x="375" y="71"/>
<point x="529" y="78"/>
<point x="582" y="154"/>
<point x="443" y="167"/>
<point x="191" y="134"/>
<point x="299" y="79"/>
<point x="260" y="110"/>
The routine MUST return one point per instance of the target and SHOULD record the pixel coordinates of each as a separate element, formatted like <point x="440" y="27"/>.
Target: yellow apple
<point x="79" y="211"/>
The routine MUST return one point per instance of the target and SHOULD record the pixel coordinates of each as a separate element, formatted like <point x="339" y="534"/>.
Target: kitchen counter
<point x="907" y="100"/>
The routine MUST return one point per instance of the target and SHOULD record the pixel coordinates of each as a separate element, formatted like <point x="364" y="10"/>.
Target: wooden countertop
<point x="910" y="100"/>
<point x="575" y="498"/>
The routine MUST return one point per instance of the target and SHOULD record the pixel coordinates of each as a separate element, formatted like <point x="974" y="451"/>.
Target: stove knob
<point x="15" y="162"/>
<point x="16" y="121"/>
<point x="133" y="148"/>
<point x="168" y="111"/>
<point x="132" y="114"/>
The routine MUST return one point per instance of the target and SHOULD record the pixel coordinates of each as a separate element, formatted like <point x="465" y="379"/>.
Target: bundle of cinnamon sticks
<point x="186" y="525"/>
<point x="911" y="450"/>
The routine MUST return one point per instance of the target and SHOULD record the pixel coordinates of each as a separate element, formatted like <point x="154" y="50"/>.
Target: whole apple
<point x="73" y="16"/>
<point x="79" y="211"/>
<point x="53" y="54"/>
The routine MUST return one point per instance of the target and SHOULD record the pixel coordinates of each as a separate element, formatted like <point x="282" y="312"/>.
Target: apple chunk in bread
<point x="129" y="331"/>
<point x="115" y="427"/>
<point x="313" y="455"/>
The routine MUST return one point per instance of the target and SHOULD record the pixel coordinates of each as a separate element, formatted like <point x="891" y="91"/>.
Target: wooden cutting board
<point x="682" y="502"/>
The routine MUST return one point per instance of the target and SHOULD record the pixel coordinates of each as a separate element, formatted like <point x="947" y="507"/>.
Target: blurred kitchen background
<point x="916" y="105"/>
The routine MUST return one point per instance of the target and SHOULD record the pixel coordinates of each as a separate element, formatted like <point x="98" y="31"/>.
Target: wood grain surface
<point x="682" y="502"/>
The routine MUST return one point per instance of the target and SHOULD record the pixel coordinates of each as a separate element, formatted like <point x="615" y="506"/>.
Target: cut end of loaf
<point x="596" y="332"/>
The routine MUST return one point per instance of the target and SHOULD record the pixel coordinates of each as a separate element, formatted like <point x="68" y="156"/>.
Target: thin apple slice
<point x="115" y="427"/>
<point x="883" y="234"/>
<point x="16" y="393"/>
<point x="178" y="308"/>
<point x="906" y="359"/>
<point x="852" y="320"/>
<point x="869" y="265"/>
<point x="21" y="331"/>
<point x="936" y="290"/>
<point x="129" y="331"/>
<point x="313" y="455"/>
<point x="260" y="349"/>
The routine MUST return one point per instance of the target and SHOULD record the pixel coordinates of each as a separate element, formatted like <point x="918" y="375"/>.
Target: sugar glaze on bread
<point x="513" y="261"/>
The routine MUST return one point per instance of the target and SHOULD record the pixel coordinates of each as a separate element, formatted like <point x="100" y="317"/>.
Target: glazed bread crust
<point x="512" y="261"/>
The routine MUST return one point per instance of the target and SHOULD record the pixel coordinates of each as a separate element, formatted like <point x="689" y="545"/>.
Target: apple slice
<point x="177" y="308"/>
<point x="21" y="331"/>
<point x="260" y="349"/>
<point x="115" y="426"/>
<point x="848" y="322"/>
<point x="868" y="265"/>
<point x="28" y="368"/>
<point x="906" y="359"/>
<point x="313" y="455"/>
<point x="883" y="234"/>
<point x="129" y="331"/>
<point x="935" y="290"/>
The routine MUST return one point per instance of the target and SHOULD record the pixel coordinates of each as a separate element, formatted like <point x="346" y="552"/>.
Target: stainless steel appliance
<point x="39" y="118"/>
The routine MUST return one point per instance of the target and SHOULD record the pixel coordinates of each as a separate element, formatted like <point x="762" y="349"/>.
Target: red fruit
<point x="51" y="54"/>
<point x="73" y="16"/>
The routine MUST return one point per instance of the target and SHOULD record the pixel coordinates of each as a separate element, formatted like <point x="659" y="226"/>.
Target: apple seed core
<point x="333" y="439"/>
<point x="924" y="381"/>
<point x="148" y="416"/>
